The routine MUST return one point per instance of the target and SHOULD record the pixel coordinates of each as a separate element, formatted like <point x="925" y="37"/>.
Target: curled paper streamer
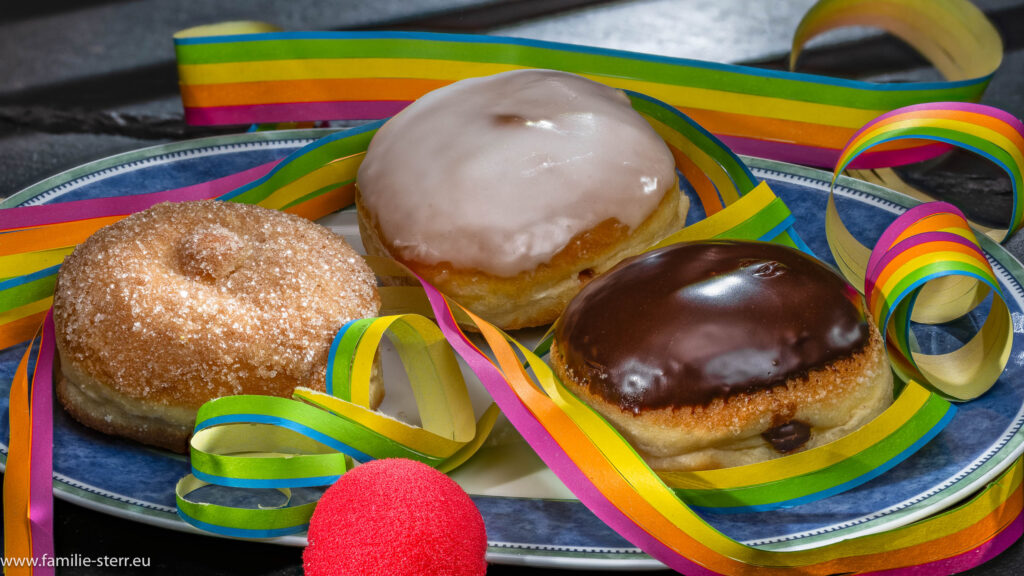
<point x="984" y="130"/>
<point x="718" y="177"/>
<point x="901" y="265"/>
<point x="907" y="425"/>
<point x="28" y="481"/>
<point x="607" y="475"/>
<point x="265" y="442"/>
<point x="758" y="215"/>
<point x="928" y="267"/>
<point x="434" y="373"/>
<point x="801" y="118"/>
<point x="954" y="36"/>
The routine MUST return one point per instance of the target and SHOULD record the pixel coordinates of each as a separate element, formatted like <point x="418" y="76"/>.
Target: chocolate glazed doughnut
<point x="722" y="353"/>
<point x="183" y="303"/>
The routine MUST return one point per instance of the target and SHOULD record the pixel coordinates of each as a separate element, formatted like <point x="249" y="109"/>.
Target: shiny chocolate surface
<point x="689" y="323"/>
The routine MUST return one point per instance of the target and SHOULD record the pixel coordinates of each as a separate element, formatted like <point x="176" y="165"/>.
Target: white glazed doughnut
<point x="511" y="191"/>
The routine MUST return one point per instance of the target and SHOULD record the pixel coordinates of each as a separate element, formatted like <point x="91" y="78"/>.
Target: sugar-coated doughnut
<point x="722" y="353"/>
<point x="509" y="192"/>
<point x="183" y="303"/>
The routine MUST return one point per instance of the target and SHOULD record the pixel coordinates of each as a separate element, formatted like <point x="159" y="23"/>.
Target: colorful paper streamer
<point x="28" y="478"/>
<point x="801" y="118"/>
<point x="260" y="442"/>
<point x="984" y="130"/>
<point x="604" y="472"/>
<point x="933" y="244"/>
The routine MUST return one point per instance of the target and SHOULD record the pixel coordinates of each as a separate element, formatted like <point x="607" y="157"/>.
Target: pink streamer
<point x="40" y="506"/>
<point x="952" y="106"/>
<point x="827" y="157"/>
<point x="548" y="449"/>
<point x="544" y="444"/>
<point x="27" y="216"/>
<point x="970" y="559"/>
<point x="882" y="253"/>
<point x="294" y="112"/>
<point x="918" y="239"/>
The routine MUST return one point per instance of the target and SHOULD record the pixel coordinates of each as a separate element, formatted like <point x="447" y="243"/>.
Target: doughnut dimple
<point x="211" y="252"/>
<point x="183" y="303"/>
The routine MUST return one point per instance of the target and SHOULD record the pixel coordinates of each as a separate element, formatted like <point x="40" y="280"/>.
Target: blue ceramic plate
<point x="531" y="518"/>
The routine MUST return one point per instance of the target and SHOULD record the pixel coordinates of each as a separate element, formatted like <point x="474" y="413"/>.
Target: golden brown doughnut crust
<point x="833" y="401"/>
<point x="537" y="297"/>
<point x="183" y="303"/>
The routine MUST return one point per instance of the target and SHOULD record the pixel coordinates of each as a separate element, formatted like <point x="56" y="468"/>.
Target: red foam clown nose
<point x="395" y="517"/>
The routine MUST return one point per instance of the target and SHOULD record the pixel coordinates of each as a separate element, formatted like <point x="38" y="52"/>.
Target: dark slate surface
<point x="83" y="80"/>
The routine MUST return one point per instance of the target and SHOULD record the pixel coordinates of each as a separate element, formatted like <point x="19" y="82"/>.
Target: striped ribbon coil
<point x="927" y="267"/>
<point x="236" y="78"/>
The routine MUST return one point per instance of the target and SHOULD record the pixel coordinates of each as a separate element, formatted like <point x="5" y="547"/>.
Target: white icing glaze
<point x="499" y="173"/>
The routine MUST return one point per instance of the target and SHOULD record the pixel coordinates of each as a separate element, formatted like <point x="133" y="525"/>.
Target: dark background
<point x="83" y="80"/>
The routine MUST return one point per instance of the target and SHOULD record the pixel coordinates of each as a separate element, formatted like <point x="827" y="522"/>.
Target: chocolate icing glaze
<point x="689" y="323"/>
